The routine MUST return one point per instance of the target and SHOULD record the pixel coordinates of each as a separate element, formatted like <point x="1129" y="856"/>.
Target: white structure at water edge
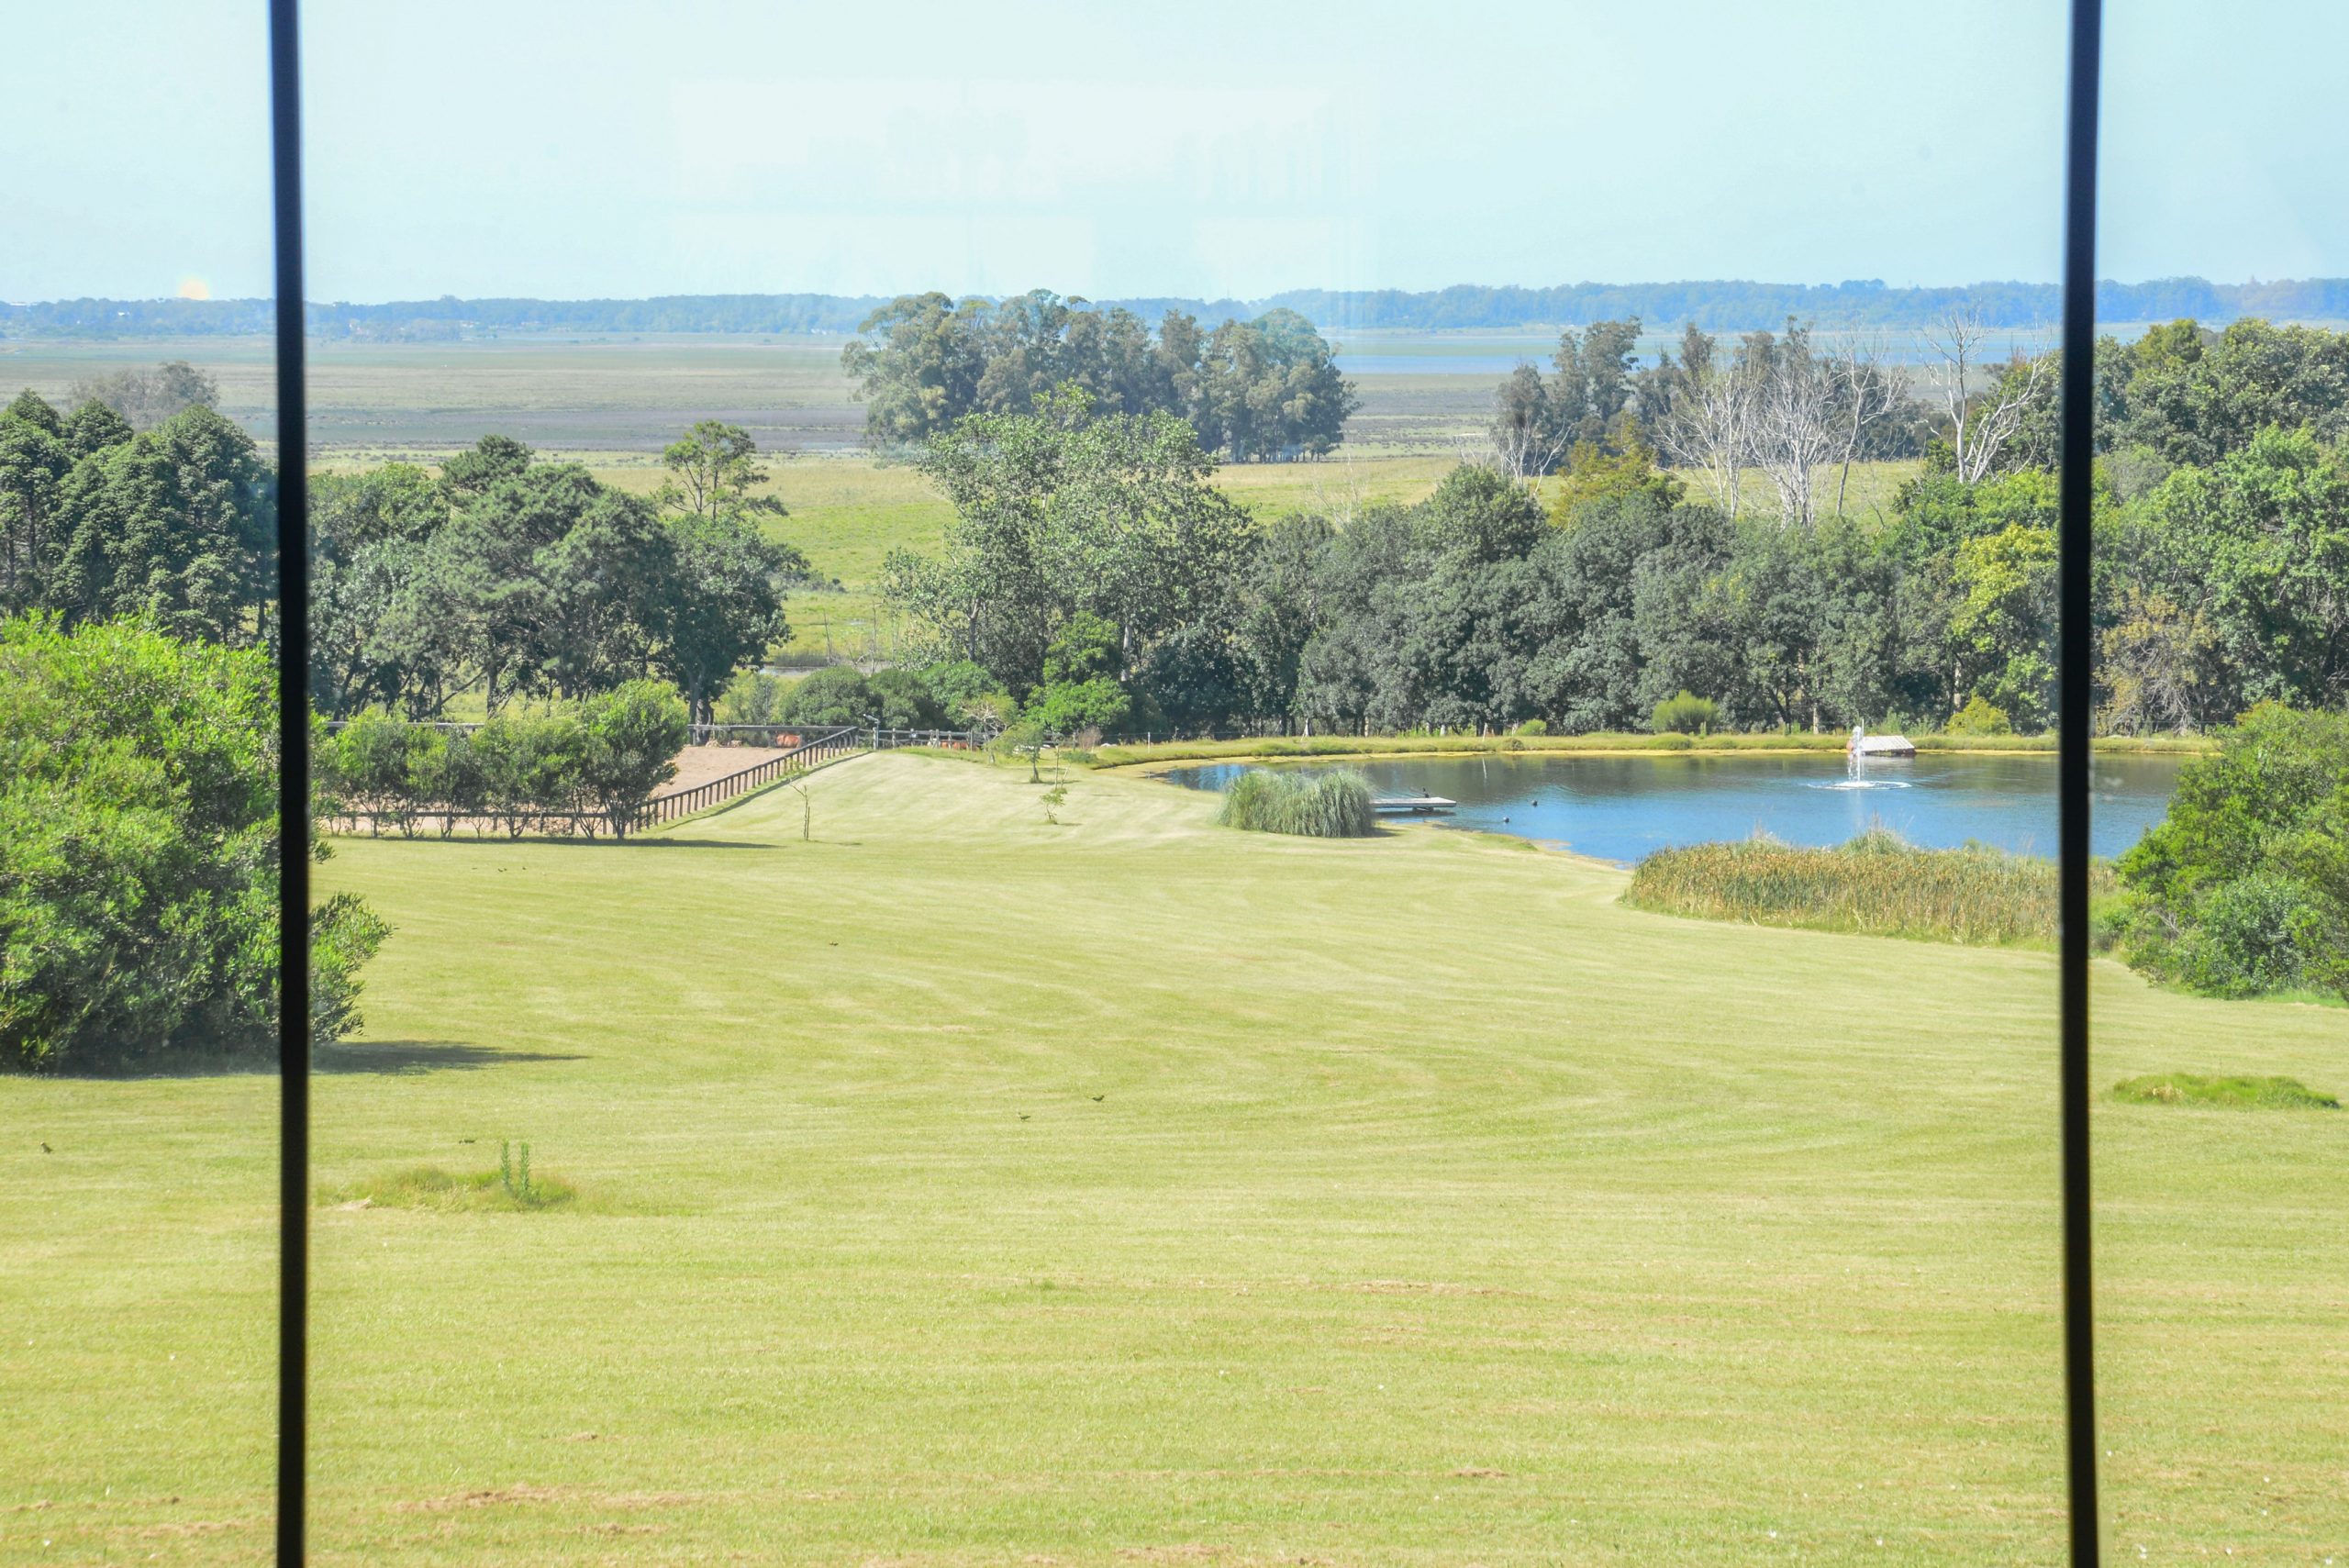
<point x="1867" y="745"/>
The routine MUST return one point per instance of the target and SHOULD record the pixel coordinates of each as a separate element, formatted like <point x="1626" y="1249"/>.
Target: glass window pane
<point x="138" y="1097"/>
<point x="991" y="1147"/>
<point x="2222" y="554"/>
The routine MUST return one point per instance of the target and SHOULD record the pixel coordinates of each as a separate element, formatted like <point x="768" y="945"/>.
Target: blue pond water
<point x="1619" y="809"/>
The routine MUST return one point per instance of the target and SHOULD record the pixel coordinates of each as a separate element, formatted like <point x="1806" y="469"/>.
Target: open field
<point x="955" y="1189"/>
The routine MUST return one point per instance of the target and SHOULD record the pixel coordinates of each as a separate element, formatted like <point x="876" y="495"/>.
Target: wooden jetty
<point x="1411" y="805"/>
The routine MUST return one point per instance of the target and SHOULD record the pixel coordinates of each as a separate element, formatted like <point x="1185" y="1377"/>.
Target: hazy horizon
<point x="590" y="150"/>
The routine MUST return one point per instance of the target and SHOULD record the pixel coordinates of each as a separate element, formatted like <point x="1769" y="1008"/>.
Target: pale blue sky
<point x="568" y="148"/>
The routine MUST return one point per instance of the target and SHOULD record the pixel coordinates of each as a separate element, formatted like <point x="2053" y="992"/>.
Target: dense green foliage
<point x="1258" y="389"/>
<point x="172" y="524"/>
<point x="588" y="767"/>
<point x="1481" y="608"/>
<point x="1876" y="883"/>
<point x="2244" y="887"/>
<point x="1333" y="803"/>
<point x="2234" y="1093"/>
<point x="138" y="854"/>
<point x="520" y="578"/>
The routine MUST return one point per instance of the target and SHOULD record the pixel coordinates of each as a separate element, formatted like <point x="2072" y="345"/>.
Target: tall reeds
<point x="1315" y="804"/>
<point x="1876" y="883"/>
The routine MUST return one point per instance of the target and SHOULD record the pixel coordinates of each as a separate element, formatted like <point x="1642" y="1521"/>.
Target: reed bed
<point x="1877" y="884"/>
<point x="1334" y="805"/>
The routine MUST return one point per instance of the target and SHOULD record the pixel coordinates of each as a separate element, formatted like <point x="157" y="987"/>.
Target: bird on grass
<point x="47" y="1150"/>
<point x="1023" y="1116"/>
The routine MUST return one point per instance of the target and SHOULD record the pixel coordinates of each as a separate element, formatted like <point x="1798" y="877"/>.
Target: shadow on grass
<point x="399" y="1056"/>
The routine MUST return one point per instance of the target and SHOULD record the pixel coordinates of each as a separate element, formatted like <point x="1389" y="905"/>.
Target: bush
<point x="904" y="701"/>
<point x="1066" y="707"/>
<point x="2243" y="886"/>
<point x="629" y="741"/>
<point x="1875" y="884"/>
<point x="1331" y="804"/>
<point x="751" y="697"/>
<point x="832" y="696"/>
<point x="1534" y="727"/>
<point x="138" y="855"/>
<point x="1686" y="714"/>
<point x="1980" y="716"/>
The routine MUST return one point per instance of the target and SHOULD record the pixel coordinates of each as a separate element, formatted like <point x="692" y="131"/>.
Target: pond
<point x="1619" y="809"/>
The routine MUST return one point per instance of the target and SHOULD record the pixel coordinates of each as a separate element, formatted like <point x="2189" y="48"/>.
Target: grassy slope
<point x="1438" y="1209"/>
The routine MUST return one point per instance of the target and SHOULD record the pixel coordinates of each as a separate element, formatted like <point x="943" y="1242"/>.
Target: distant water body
<point x="1621" y="809"/>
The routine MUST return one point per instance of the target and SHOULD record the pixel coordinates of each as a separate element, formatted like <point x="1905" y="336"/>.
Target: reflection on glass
<point x="2221" y="1060"/>
<point x="138" y="833"/>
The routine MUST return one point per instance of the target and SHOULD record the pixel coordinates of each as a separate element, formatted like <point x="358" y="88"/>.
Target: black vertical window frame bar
<point x="2076" y="698"/>
<point x="292" y="793"/>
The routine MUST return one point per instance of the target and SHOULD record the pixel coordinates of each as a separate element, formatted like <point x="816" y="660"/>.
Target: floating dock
<point x="1411" y="805"/>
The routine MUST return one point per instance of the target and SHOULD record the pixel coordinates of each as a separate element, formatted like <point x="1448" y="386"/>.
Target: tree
<point x="138" y="854"/>
<point x="1059" y="512"/>
<point x="713" y="469"/>
<point x="1980" y="424"/>
<point x="1712" y="425"/>
<point x="174" y="526"/>
<point x="34" y="462"/>
<point x="2243" y="886"/>
<point x="723" y="606"/>
<point x="2257" y="546"/>
<point x="632" y="735"/>
<point x="145" y="399"/>
<point x="2004" y="621"/>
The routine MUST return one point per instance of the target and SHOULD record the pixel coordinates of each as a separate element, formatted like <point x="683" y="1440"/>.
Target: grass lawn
<point x="955" y="1189"/>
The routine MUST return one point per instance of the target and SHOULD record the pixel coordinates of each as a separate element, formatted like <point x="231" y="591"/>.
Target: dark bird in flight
<point x="1098" y="1098"/>
<point x="1023" y="1116"/>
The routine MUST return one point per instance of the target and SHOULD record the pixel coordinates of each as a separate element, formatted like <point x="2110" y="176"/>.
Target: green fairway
<point x="958" y="1189"/>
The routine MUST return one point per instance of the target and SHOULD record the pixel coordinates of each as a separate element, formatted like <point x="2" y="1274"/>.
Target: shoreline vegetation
<point x="1148" y="756"/>
<point x="1876" y="885"/>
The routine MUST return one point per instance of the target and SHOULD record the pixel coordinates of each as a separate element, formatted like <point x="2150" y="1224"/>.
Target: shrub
<point x="1534" y="727"/>
<point x="1875" y="884"/>
<point x="834" y="695"/>
<point x="904" y="701"/>
<point x="751" y="697"/>
<point x="138" y="855"/>
<point x="2243" y="886"/>
<point x="632" y="736"/>
<point x="1321" y="805"/>
<point x="1686" y="714"/>
<point x="1980" y="716"/>
<point x="1067" y="707"/>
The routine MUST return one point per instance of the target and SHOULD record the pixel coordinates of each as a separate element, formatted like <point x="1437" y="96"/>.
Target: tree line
<point x="1089" y="548"/>
<point x="502" y="573"/>
<point x="1252" y="391"/>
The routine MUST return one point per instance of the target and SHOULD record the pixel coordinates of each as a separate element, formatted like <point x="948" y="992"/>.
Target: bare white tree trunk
<point x="1711" y="429"/>
<point x="1980" y="426"/>
<point x="1795" y="425"/>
